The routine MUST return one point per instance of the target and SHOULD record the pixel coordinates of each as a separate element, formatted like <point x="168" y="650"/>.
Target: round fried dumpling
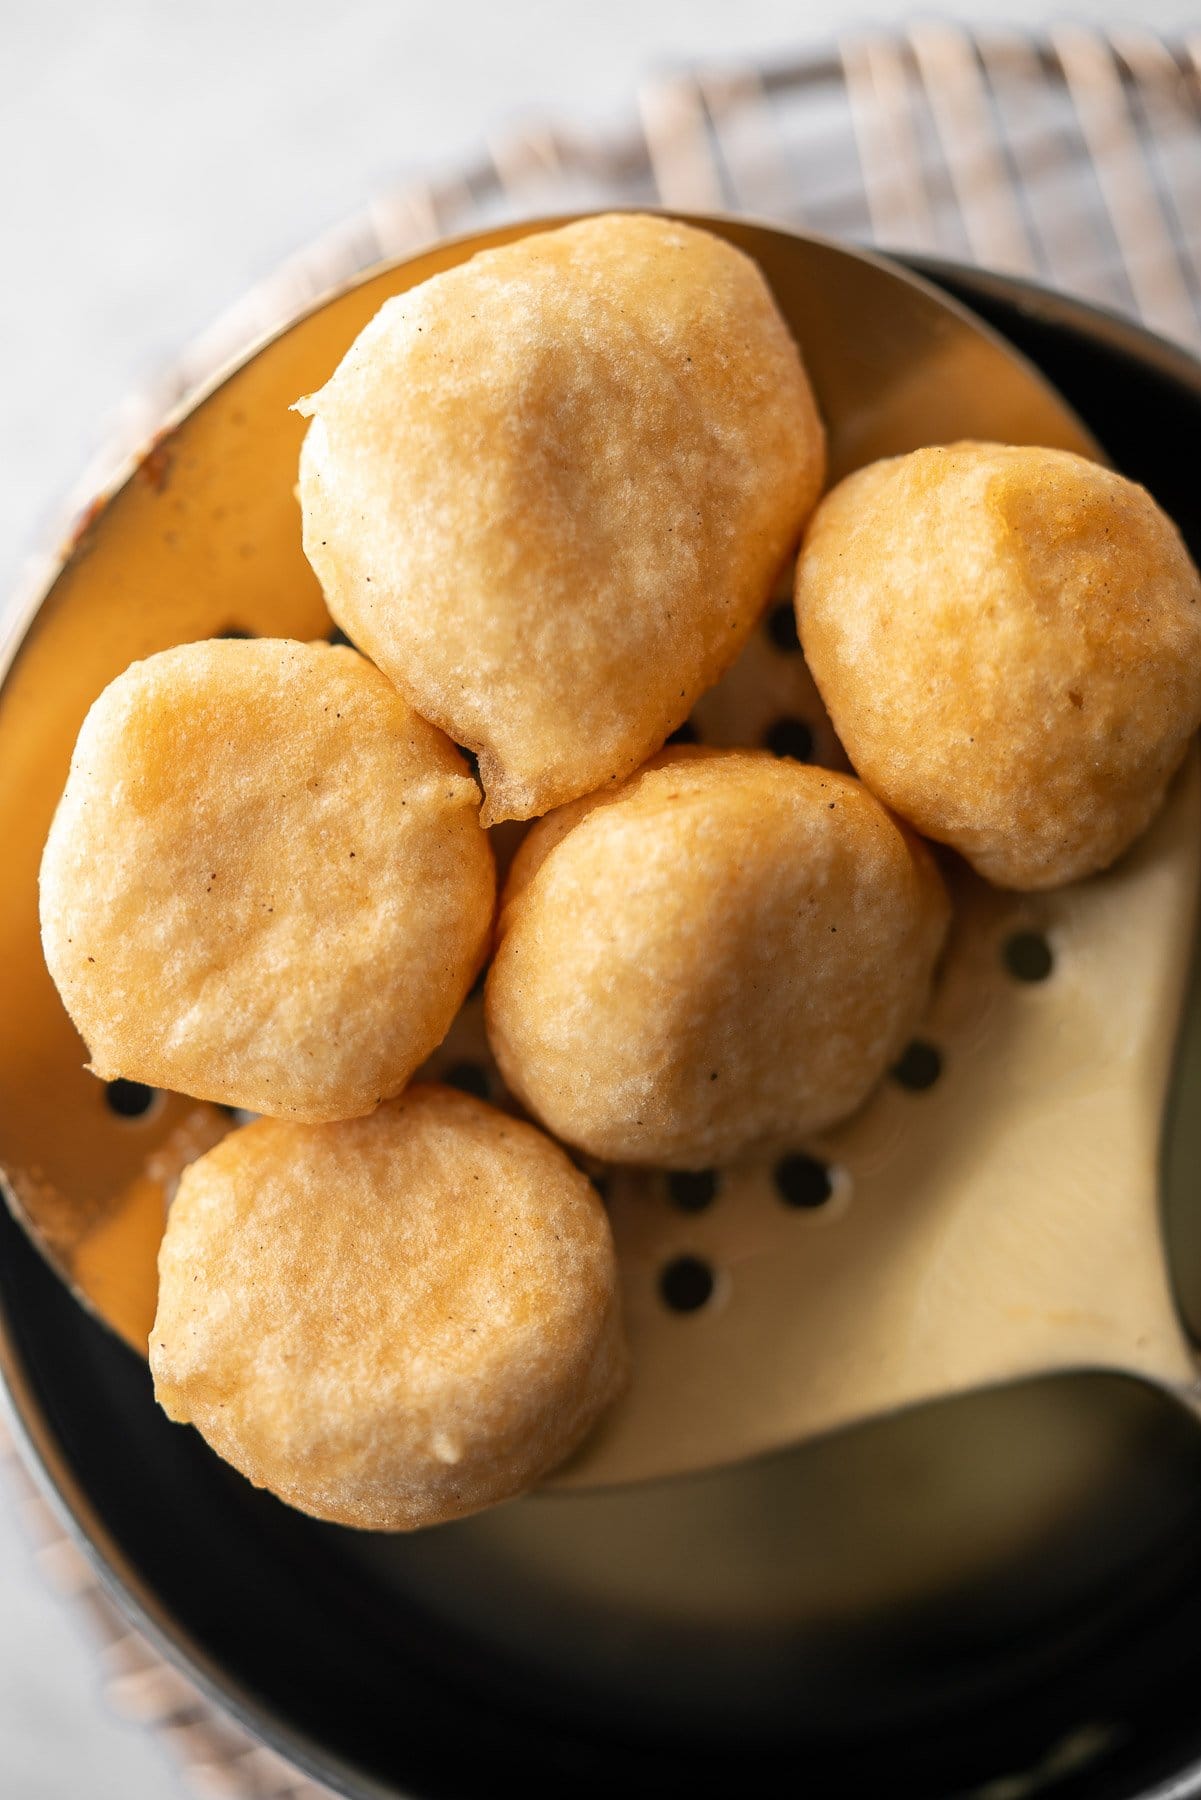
<point x="722" y="955"/>
<point x="548" y="492"/>
<point x="1009" y="644"/>
<point x="266" y="882"/>
<point x="389" y="1321"/>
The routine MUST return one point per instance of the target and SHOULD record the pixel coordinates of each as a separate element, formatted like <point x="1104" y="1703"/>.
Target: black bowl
<point x="454" y="1664"/>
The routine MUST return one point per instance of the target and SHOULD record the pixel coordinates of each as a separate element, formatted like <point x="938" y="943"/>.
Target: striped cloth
<point x="1073" y="158"/>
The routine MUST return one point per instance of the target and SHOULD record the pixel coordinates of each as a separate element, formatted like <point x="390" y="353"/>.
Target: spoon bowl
<point x="992" y="1212"/>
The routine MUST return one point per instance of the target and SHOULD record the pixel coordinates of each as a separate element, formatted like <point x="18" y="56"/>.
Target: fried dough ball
<point x="723" y="955"/>
<point x="548" y="492"/>
<point x="1009" y="644"/>
<point x="266" y="882"/>
<point x="391" y="1321"/>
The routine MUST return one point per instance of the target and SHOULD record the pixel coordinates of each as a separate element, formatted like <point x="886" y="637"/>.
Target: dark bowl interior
<point x="435" y="1666"/>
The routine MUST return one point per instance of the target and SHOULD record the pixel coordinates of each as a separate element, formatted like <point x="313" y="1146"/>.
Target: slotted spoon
<point x="992" y="1213"/>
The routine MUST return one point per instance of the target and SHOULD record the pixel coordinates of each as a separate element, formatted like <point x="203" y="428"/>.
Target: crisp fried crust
<point x="266" y="883"/>
<point x="390" y="1321"/>
<point x="1009" y="644"/>
<point x="724" y="955"/>
<point x="548" y="492"/>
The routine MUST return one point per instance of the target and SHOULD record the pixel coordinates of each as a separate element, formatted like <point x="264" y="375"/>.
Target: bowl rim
<point x="40" y="1450"/>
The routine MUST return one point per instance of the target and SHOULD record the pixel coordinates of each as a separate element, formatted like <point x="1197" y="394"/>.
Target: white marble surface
<point x="159" y="159"/>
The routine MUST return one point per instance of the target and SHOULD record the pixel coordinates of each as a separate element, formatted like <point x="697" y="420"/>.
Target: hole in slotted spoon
<point x="692" y="1190"/>
<point x="803" y="1182"/>
<point x="469" y="1078"/>
<point x="1027" y="956"/>
<point x="919" y="1068"/>
<point x="686" y="1284"/>
<point x="129" y="1099"/>
<point x="686" y="733"/>
<point x="781" y="628"/>
<point x="790" y="737"/>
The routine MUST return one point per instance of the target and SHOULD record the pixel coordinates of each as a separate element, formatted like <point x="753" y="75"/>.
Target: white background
<point x="160" y="156"/>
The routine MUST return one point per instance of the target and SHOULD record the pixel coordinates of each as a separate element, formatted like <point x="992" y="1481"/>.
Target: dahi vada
<point x="1009" y="645"/>
<point x="723" y="955"/>
<point x="549" y="491"/>
<point x="266" y="883"/>
<point x="390" y="1321"/>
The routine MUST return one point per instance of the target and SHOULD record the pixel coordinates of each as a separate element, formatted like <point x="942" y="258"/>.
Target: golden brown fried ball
<point x="266" y="882"/>
<point x="723" y="955"/>
<point x="548" y="492"/>
<point x="389" y="1321"/>
<point x="1009" y="644"/>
